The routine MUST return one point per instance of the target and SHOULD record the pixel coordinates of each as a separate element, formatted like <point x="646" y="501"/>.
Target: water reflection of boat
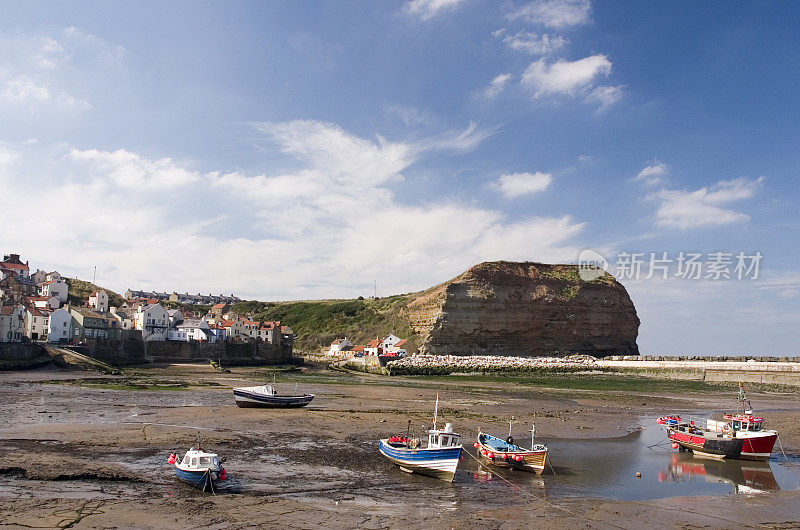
<point x="745" y="477"/>
<point x="740" y="435"/>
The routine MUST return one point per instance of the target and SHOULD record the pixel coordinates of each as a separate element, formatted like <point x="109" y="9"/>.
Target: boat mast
<point x="533" y="433"/>
<point x="509" y="426"/>
<point x="435" y="411"/>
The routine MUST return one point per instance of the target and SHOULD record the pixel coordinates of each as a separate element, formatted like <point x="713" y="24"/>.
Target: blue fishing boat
<point x="438" y="459"/>
<point x="198" y="468"/>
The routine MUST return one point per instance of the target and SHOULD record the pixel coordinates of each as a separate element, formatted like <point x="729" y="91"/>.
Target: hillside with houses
<point x="46" y="307"/>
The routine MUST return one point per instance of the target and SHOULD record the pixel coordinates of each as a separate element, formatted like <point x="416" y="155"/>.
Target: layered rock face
<point x="525" y="309"/>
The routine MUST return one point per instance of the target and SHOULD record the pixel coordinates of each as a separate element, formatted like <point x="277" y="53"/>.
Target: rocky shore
<point x="447" y="364"/>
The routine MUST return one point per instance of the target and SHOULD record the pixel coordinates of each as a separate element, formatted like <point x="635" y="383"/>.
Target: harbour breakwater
<point x="448" y="364"/>
<point x="22" y="356"/>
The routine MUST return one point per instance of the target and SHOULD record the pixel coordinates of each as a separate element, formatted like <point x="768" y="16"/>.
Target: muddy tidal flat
<point x="81" y="450"/>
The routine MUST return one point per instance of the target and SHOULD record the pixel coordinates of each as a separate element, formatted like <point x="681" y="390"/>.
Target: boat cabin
<point x="443" y="437"/>
<point x="745" y="422"/>
<point x="199" y="460"/>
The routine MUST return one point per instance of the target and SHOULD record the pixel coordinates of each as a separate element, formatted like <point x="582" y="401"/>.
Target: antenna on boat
<point x="408" y="430"/>
<point x="533" y="433"/>
<point x="436" y="411"/>
<point x="509" y="425"/>
<point x="747" y="408"/>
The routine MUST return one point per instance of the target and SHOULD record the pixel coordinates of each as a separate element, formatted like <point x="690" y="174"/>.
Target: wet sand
<point x="82" y="450"/>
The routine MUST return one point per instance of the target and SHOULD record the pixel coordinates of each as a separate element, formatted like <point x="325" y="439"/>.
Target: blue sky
<point x="306" y="149"/>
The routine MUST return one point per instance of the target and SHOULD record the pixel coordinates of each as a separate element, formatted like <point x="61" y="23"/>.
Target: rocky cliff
<point x="526" y="309"/>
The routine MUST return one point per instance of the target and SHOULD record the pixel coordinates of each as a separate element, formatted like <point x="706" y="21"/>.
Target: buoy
<point x="223" y="475"/>
<point x="518" y="458"/>
<point x="476" y="444"/>
<point x="171" y="459"/>
<point x="675" y="445"/>
<point x="638" y="475"/>
<point x="489" y="456"/>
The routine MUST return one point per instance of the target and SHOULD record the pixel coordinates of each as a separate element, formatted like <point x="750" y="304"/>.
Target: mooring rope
<point x="782" y="451"/>
<point x="545" y="501"/>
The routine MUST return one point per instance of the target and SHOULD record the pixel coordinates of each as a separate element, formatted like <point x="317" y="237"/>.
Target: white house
<point x="55" y="287"/>
<point x="340" y="345"/>
<point x="153" y="321"/>
<point x="43" y="302"/>
<point x="391" y="344"/>
<point x="12" y="323"/>
<point x="269" y="332"/>
<point x="13" y="264"/>
<point x="59" y="327"/>
<point x="193" y="330"/>
<point x="99" y="301"/>
<point x="36" y="323"/>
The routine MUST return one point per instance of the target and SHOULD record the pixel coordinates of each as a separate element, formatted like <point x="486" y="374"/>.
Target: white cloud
<point x="534" y="43"/>
<point x="427" y="9"/>
<point x="653" y="174"/>
<point x="555" y="13"/>
<point x="497" y="86"/>
<point x="22" y="89"/>
<point x="605" y="95"/>
<point x="326" y="228"/>
<point x="564" y="77"/>
<point x="130" y="170"/>
<point x="517" y="184"/>
<point x="685" y="209"/>
<point x="411" y="116"/>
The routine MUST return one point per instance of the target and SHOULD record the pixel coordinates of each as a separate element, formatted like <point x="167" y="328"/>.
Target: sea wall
<point x="227" y="353"/>
<point x="21" y="356"/>
<point x="113" y="352"/>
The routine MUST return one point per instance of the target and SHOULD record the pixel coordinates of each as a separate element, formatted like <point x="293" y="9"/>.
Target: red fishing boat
<point x="739" y="435"/>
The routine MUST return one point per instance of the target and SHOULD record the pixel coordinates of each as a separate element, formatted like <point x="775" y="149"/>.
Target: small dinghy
<point x="267" y="396"/>
<point x="504" y="453"/>
<point x="438" y="459"/>
<point x="198" y="469"/>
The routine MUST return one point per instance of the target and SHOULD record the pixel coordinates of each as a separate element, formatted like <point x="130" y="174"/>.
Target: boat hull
<point x="532" y="461"/>
<point x="247" y="399"/>
<point x="200" y="479"/>
<point x="439" y="463"/>
<point x="744" y="448"/>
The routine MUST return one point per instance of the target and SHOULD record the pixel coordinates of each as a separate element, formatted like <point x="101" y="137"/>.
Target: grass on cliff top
<point x="80" y="291"/>
<point x="318" y="323"/>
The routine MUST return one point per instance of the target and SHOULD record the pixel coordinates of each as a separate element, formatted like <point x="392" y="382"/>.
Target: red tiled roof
<point x="218" y="306"/>
<point x="358" y="348"/>
<point x="373" y="343"/>
<point x="400" y="343"/>
<point x="7" y="309"/>
<point x="18" y="266"/>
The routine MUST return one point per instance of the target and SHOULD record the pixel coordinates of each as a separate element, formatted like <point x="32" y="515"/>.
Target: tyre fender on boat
<point x="510" y="440"/>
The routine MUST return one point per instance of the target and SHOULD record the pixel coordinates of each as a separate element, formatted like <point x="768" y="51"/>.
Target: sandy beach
<point x="89" y="451"/>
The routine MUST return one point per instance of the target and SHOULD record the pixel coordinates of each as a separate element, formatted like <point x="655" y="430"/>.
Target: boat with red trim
<point x="738" y="435"/>
<point x="505" y="453"/>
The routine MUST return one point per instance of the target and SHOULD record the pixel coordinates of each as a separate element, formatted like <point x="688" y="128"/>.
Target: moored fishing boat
<point x="738" y="435"/>
<point x="505" y="453"/>
<point x="438" y="459"/>
<point x="198" y="468"/>
<point x="267" y="396"/>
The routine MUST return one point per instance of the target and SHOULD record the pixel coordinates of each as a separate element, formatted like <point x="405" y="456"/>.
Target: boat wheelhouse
<point x="199" y="469"/>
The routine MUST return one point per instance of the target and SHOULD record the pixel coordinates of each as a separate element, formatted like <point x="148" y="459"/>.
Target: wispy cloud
<point x="707" y="206"/>
<point x="427" y="9"/>
<point x="533" y="43"/>
<point x="497" y="86"/>
<point x="555" y="13"/>
<point x="652" y="175"/>
<point x="605" y="96"/>
<point x="410" y="116"/>
<point x="517" y="184"/>
<point x="561" y="77"/>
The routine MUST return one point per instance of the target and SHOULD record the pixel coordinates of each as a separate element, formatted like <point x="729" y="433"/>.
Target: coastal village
<point x="35" y="307"/>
